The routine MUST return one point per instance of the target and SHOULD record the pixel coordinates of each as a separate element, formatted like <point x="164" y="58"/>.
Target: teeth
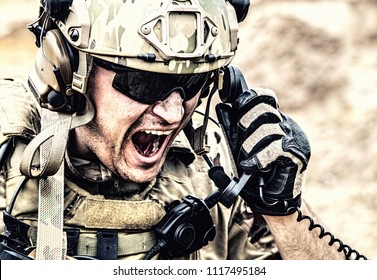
<point x="155" y="145"/>
<point x="158" y="132"/>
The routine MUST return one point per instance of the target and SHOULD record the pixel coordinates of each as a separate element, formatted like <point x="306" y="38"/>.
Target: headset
<point x="56" y="60"/>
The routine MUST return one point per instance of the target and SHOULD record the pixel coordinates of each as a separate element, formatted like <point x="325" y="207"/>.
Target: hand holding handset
<point x="266" y="145"/>
<point x="270" y="148"/>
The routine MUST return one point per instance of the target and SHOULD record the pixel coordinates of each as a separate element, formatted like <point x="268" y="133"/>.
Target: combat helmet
<point x="166" y="36"/>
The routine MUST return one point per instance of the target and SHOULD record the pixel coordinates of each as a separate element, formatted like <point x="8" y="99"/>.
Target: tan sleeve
<point x="19" y="119"/>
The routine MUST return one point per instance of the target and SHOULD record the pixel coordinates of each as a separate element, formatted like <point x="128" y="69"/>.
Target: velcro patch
<point x="120" y="214"/>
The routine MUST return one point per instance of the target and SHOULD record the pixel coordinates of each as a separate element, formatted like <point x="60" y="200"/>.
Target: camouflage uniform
<point x="97" y="201"/>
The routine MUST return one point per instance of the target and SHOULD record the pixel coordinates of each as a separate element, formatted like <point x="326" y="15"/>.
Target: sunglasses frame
<point x="205" y="81"/>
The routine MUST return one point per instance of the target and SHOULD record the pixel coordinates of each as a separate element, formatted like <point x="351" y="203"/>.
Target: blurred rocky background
<point x="320" y="56"/>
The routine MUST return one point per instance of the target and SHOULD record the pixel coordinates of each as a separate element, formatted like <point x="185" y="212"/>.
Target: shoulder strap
<point x="52" y="143"/>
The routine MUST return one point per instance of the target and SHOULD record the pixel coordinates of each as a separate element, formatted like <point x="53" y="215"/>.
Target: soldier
<point x="104" y="156"/>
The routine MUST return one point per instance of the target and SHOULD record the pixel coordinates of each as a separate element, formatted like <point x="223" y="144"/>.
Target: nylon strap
<point x="59" y="133"/>
<point x="52" y="144"/>
<point x="198" y="136"/>
<point x="50" y="236"/>
<point x="80" y="78"/>
<point x="128" y="244"/>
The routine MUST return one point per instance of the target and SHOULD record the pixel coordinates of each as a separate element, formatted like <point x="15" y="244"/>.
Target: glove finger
<point x="250" y="98"/>
<point x="261" y="138"/>
<point x="296" y="142"/>
<point x="260" y="115"/>
<point x="267" y="156"/>
<point x="255" y="108"/>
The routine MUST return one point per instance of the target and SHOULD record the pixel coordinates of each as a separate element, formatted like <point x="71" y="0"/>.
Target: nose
<point x="170" y="109"/>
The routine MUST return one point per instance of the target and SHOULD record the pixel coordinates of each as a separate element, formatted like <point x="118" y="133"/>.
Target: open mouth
<point x="148" y="142"/>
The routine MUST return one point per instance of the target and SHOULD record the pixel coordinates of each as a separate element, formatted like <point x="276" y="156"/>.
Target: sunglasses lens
<point x="148" y="88"/>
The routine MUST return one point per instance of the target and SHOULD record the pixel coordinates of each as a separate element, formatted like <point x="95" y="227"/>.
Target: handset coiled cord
<point x="234" y="191"/>
<point x="348" y="251"/>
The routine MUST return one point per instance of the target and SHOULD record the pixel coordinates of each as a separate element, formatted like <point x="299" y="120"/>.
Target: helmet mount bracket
<point x="162" y="30"/>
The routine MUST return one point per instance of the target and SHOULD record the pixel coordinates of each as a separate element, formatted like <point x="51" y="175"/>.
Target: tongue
<point x="142" y="138"/>
<point x="143" y="142"/>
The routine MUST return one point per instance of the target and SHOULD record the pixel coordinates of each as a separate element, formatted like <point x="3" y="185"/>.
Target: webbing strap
<point x="58" y="131"/>
<point x="50" y="236"/>
<point x="52" y="143"/>
<point x="128" y="244"/>
<point x="80" y="78"/>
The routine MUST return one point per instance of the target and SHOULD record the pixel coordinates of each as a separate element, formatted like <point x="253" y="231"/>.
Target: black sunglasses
<point x="149" y="87"/>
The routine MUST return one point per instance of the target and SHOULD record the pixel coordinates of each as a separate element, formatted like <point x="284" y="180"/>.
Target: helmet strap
<point x="80" y="77"/>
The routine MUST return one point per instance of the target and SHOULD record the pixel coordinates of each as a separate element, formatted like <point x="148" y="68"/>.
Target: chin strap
<point x="51" y="144"/>
<point x="198" y="136"/>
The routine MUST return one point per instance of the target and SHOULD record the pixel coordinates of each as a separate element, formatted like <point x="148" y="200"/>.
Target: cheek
<point x="190" y="106"/>
<point x="110" y="104"/>
<point x="114" y="110"/>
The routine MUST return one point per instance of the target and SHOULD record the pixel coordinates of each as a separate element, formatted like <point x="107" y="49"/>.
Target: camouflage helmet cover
<point x="174" y="36"/>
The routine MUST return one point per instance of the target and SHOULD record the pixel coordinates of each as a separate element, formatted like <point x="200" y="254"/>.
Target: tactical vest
<point x="114" y="219"/>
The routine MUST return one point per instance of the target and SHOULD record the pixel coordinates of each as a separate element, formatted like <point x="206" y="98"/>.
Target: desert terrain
<point x="320" y="56"/>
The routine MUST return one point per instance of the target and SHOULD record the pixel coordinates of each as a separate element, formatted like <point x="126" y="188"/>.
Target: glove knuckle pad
<point x="261" y="112"/>
<point x="250" y="98"/>
<point x="262" y="137"/>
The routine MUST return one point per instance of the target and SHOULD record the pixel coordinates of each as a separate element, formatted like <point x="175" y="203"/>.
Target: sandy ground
<point x="321" y="59"/>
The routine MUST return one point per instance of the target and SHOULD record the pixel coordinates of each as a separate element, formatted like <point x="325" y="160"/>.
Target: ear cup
<point x="57" y="9"/>
<point x="52" y="75"/>
<point x="233" y="85"/>
<point x="241" y="7"/>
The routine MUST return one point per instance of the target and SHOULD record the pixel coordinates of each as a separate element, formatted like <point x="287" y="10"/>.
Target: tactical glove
<point x="268" y="145"/>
